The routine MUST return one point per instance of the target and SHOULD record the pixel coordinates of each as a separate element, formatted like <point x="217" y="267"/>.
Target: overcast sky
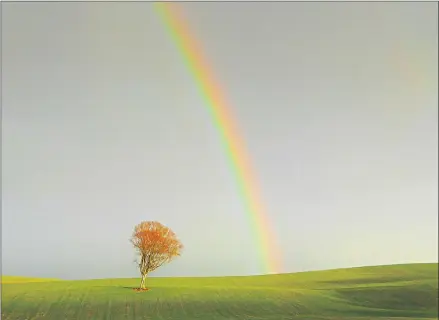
<point x="103" y="127"/>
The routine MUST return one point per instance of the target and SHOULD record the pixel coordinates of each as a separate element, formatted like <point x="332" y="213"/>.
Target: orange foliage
<point x="156" y="245"/>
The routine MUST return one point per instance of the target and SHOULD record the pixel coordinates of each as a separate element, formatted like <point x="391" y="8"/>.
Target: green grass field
<point x="15" y="279"/>
<point x="382" y="292"/>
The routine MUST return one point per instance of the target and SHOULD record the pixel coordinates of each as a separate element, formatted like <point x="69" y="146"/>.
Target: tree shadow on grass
<point x="134" y="288"/>
<point x="122" y="287"/>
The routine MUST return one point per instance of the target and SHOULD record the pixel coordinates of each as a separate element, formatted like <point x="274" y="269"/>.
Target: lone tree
<point x="156" y="245"/>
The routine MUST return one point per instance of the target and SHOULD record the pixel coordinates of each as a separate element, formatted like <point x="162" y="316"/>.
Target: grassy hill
<point x="382" y="292"/>
<point x="17" y="279"/>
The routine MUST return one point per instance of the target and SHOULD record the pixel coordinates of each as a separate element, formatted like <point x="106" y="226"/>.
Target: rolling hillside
<point x="17" y="279"/>
<point x="382" y="292"/>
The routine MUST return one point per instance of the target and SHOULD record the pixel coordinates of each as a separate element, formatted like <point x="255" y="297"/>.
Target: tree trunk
<point x="143" y="281"/>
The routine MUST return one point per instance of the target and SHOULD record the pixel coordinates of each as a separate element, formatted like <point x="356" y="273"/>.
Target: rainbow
<point x="219" y="110"/>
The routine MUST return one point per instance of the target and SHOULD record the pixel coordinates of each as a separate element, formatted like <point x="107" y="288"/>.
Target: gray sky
<point x="103" y="127"/>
